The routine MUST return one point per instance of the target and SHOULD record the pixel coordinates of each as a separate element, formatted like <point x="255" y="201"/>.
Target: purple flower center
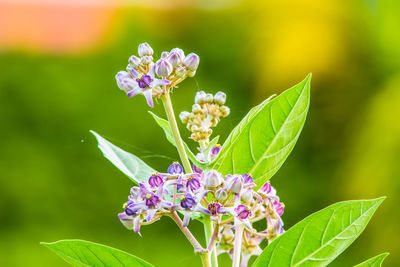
<point x="144" y="81"/>
<point x="242" y="212"/>
<point x="193" y="183"/>
<point x="188" y="201"/>
<point x="214" y="207"/>
<point x="151" y="200"/>
<point x="155" y="180"/>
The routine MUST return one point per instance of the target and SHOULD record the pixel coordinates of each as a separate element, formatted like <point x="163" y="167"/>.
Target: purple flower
<point x="188" y="201"/>
<point x="248" y="179"/>
<point x="215" y="151"/>
<point x="155" y="180"/>
<point x="279" y="207"/>
<point x="193" y="182"/>
<point x="135" y="83"/>
<point x="176" y="56"/>
<point x="242" y="212"/>
<point x="175" y="169"/>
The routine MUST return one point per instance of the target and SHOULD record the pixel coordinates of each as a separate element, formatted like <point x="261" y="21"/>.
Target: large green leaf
<point x="321" y="237"/>
<point x="85" y="253"/>
<point x="168" y="133"/>
<point x="128" y="163"/>
<point x="373" y="262"/>
<point x="262" y="141"/>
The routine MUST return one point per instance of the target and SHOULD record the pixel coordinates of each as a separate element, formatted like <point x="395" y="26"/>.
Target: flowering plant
<point x="226" y="187"/>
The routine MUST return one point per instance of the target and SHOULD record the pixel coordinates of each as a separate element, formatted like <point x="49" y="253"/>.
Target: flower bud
<point x="196" y="108"/>
<point x="200" y="97"/>
<point x="145" y="50"/>
<point x="134" y="61"/>
<point x="234" y="183"/>
<point x="128" y="84"/>
<point x="184" y="116"/>
<point x="221" y="195"/>
<point x="164" y="54"/>
<point x="213" y="179"/>
<point x="179" y="52"/>
<point x="247" y="195"/>
<point x="181" y="72"/>
<point x="220" y="98"/>
<point x="146" y="60"/>
<point x="209" y="98"/>
<point x="175" y="57"/>
<point x="163" y="68"/>
<point x="191" y="61"/>
<point x="224" y="111"/>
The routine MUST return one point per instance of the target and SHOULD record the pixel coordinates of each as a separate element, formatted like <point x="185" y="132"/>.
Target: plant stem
<point x="208" y="229"/>
<point x="238" y="245"/>
<point x="196" y="245"/>
<point x="166" y="99"/>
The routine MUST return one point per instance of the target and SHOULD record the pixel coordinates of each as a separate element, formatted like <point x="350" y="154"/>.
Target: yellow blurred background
<point x="57" y="65"/>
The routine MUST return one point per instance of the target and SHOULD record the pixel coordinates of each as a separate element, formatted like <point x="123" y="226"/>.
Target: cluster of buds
<point x="206" y="113"/>
<point x="229" y="201"/>
<point x="140" y="75"/>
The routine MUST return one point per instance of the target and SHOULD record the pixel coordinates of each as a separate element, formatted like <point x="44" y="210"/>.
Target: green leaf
<point x="168" y="133"/>
<point x="128" y="163"/>
<point x="373" y="262"/>
<point x="85" y="253"/>
<point x="263" y="140"/>
<point x="321" y="237"/>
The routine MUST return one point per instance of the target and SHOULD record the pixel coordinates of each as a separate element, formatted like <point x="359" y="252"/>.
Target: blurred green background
<point x="57" y="67"/>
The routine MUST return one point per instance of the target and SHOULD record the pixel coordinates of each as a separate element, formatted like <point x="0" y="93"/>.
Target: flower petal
<point x="126" y="220"/>
<point x="160" y="82"/>
<point x="149" y="98"/>
<point x="186" y="218"/>
<point x="137" y="90"/>
<point x="135" y="74"/>
<point x="151" y="72"/>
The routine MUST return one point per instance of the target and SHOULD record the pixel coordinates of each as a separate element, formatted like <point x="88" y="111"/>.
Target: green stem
<point x="208" y="229"/>
<point x="166" y="99"/>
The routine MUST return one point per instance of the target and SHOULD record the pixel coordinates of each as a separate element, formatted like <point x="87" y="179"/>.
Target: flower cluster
<point x="140" y="75"/>
<point x="229" y="201"/>
<point x="206" y="113"/>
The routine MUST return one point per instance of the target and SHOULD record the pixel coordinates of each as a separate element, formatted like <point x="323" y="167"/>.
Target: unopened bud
<point x="221" y="195"/>
<point x="134" y="61"/>
<point x="209" y="98"/>
<point x="191" y="61"/>
<point x="247" y="195"/>
<point x="184" y="116"/>
<point x="220" y="98"/>
<point x="145" y="50"/>
<point x="224" y="111"/>
<point x="196" y="108"/>
<point x="175" y="57"/>
<point x="146" y="60"/>
<point x="164" y="54"/>
<point x="234" y="183"/>
<point x="213" y="179"/>
<point x="163" y="68"/>
<point x="135" y="192"/>
<point x="181" y="72"/>
<point x="200" y="97"/>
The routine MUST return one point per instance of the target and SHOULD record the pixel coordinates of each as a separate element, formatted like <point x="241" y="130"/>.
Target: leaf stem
<point x="166" y="99"/>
